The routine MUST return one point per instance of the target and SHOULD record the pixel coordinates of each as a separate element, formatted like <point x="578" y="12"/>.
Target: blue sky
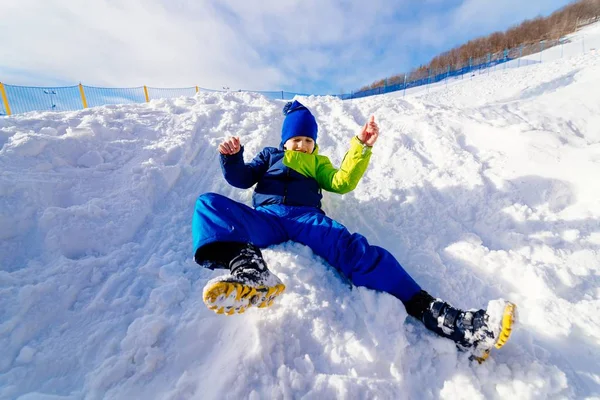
<point x="305" y="46"/>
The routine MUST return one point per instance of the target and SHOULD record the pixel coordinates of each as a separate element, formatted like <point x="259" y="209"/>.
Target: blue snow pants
<point x="220" y="219"/>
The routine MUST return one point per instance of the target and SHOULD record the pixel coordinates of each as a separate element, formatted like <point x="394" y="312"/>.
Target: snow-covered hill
<point x="487" y="188"/>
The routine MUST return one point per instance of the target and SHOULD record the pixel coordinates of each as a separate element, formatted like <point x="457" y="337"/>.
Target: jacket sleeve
<point x="242" y="175"/>
<point x="346" y="178"/>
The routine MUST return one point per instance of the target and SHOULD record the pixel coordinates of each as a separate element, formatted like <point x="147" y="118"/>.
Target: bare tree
<point x="525" y="36"/>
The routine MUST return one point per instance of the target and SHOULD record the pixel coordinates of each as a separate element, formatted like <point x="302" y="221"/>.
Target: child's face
<point x="300" y="143"/>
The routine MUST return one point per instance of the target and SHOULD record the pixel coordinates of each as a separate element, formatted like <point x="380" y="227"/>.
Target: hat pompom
<point x="287" y="107"/>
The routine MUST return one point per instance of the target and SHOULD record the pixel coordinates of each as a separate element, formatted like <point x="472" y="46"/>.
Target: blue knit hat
<point x="298" y="122"/>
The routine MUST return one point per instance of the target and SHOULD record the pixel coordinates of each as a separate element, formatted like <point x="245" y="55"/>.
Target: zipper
<point x="287" y="174"/>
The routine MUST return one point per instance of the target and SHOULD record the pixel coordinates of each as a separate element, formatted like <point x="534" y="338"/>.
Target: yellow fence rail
<point x="83" y="99"/>
<point x="5" y="99"/>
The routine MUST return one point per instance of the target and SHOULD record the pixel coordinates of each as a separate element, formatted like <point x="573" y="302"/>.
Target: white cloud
<point x="314" y="40"/>
<point x="252" y="44"/>
<point x="128" y="43"/>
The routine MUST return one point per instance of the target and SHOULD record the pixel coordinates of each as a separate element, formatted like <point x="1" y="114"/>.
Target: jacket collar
<point x="315" y="151"/>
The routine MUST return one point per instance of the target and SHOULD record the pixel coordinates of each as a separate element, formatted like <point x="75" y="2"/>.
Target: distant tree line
<point x="528" y="34"/>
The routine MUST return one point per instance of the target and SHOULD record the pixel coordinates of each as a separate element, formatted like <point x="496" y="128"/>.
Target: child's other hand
<point x="230" y="146"/>
<point x="370" y="132"/>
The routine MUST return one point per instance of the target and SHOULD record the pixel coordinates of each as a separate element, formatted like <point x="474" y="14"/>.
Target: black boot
<point x="249" y="284"/>
<point x="475" y="330"/>
<point x="218" y="255"/>
<point x="249" y="265"/>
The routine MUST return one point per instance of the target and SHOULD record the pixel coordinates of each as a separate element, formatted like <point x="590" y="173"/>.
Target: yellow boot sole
<point x="508" y="319"/>
<point x="234" y="297"/>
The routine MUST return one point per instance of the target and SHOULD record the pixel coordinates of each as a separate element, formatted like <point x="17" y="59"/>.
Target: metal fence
<point x="20" y="99"/>
<point x="509" y="58"/>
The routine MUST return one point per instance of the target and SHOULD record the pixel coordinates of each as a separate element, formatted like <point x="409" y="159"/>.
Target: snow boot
<point x="250" y="283"/>
<point x="476" y="331"/>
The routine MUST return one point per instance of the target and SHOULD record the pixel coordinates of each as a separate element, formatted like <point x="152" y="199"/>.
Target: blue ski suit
<point x="287" y="206"/>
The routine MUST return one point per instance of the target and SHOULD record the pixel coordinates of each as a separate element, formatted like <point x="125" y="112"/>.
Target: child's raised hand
<point x="369" y="132"/>
<point x="230" y="146"/>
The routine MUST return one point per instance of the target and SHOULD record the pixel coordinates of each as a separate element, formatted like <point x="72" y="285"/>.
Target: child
<point x="287" y="206"/>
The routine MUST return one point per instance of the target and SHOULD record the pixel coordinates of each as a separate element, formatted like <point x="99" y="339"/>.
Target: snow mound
<point x="484" y="189"/>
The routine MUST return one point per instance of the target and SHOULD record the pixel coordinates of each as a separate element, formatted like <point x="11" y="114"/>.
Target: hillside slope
<point x="484" y="189"/>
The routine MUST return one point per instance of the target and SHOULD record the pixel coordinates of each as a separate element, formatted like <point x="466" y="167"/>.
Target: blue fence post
<point x="505" y="57"/>
<point x="404" y="85"/>
<point x="51" y="93"/>
<point x="428" y="78"/>
<point x="471" y="67"/>
<point x="385" y="83"/>
<point x="448" y="76"/>
<point x="520" y="55"/>
<point x="489" y="63"/>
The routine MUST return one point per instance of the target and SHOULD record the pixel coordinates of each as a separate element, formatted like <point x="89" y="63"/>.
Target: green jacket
<point x="342" y="180"/>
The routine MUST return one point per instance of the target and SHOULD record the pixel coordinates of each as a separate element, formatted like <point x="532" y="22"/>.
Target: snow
<point x="484" y="188"/>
